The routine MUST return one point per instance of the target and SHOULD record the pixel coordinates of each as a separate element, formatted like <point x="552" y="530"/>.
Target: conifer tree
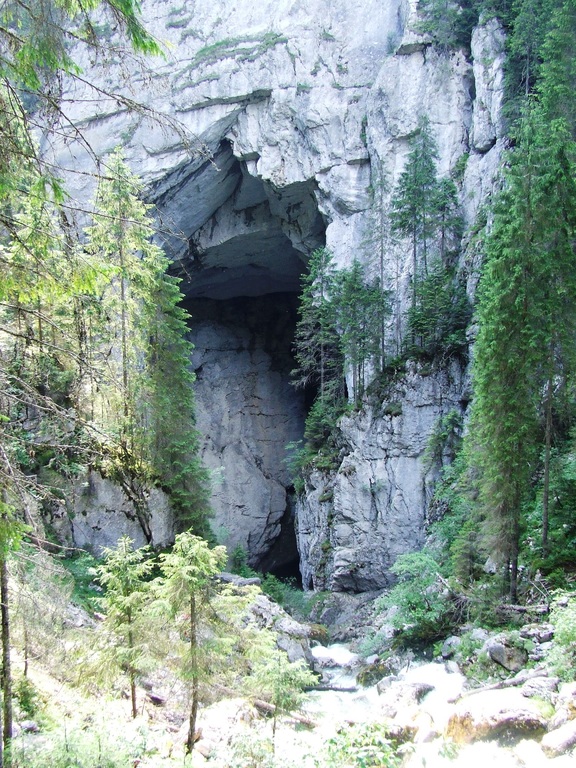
<point x="123" y="574"/>
<point x="184" y="589"/>
<point x="359" y="308"/>
<point x="316" y="344"/>
<point x="525" y="313"/>
<point x="413" y="202"/>
<point x="147" y="355"/>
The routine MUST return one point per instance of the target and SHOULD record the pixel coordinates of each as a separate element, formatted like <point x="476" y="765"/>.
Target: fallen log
<point x="265" y="708"/>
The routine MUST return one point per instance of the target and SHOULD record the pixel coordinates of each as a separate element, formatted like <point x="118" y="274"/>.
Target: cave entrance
<point x="246" y="245"/>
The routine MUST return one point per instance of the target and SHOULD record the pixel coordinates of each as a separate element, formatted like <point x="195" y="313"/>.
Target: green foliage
<point x="124" y="574"/>
<point x="425" y="210"/>
<point x="557" y="561"/>
<point x="239" y="562"/>
<point x="28" y="697"/>
<point x="247" y="48"/>
<point x="425" y="612"/>
<point x="527" y="296"/>
<point x="438" y="321"/>
<point x="84" y="569"/>
<point x="445" y="439"/>
<point x="182" y="593"/>
<point x="153" y="402"/>
<point x="276" y="679"/>
<point x="413" y="202"/>
<point x="362" y="746"/>
<point x="562" y="656"/>
<point x="361" y="312"/>
<point x="449" y="22"/>
<point x="316" y="343"/>
<point x="87" y="748"/>
<point x="251" y="750"/>
<point x="341" y="325"/>
<point x="529" y="26"/>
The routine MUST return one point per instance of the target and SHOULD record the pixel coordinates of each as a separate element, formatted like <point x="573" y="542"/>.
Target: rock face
<point x="248" y="413"/>
<point x="302" y="115"/>
<point x="102" y="513"/>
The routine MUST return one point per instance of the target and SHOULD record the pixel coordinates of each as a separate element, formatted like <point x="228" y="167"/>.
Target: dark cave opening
<point x="245" y="252"/>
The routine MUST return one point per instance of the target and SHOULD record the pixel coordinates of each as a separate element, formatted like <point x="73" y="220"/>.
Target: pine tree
<point x="147" y="355"/>
<point x="316" y="344"/>
<point x="448" y="216"/>
<point x="413" y="202"/>
<point x="185" y="589"/>
<point x="123" y="574"/>
<point x="557" y="81"/>
<point x="359" y="308"/>
<point x="526" y="305"/>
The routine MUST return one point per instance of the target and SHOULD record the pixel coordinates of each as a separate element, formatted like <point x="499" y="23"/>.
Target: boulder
<point x="450" y="646"/>
<point x="505" y="715"/>
<point x="542" y="687"/>
<point x="509" y="656"/>
<point x="560" y="740"/>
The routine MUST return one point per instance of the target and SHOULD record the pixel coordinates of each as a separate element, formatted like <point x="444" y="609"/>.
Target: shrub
<point x="425" y="612"/>
<point x="562" y="656"/>
<point x="363" y="745"/>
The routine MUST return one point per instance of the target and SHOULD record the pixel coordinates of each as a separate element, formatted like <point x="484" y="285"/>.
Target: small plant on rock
<point x="562" y="656"/>
<point x="366" y="745"/>
<point x="424" y="609"/>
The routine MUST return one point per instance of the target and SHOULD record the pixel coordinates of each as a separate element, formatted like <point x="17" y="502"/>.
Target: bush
<point x="363" y="745"/>
<point x="425" y="613"/>
<point x="83" y="568"/>
<point x="27" y="696"/>
<point x="562" y="656"/>
<point x="81" y="749"/>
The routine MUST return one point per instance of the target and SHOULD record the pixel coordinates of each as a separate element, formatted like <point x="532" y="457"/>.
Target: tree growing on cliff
<point x="425" y="209"/>
<point x="414" y="200"/>
<point x="316" y="343"/>
<point x="360" y="308"/>
<point x="145" y="354"/>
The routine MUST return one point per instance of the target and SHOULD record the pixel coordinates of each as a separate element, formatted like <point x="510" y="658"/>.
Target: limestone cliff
<point x="301" y="114"/>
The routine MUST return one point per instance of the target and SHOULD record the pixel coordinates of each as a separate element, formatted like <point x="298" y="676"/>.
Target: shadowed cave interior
<point x="247" y="244"/>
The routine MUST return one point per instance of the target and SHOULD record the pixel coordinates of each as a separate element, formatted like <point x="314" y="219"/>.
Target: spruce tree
<point x="527" y="302"/>
<point x="184" y="589"/>
<point x="147" y="356"/>
<point x="124" y="574"/>
<point x="413" y="203"/>
<point x="316" y="344"/>
<point x="360" y="308"/>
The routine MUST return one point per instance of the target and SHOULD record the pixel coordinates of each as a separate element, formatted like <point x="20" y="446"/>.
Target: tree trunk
<point x="547" y="452"/>
<point x="514" y="554"/>
<point x="195" y="688"/>
<point x="131" y="672"/>
<point x="6" y="669"/>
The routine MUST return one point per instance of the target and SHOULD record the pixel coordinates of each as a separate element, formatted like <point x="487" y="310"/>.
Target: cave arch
<point x="240" y="245"/>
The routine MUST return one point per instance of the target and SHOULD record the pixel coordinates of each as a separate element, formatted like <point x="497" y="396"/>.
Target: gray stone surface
<point x="504" y="715"/>
<point x="505" y="654"/>
<point x="102" y="513"/>
<point x="352" y="524"/>
<point x="560" y="740"/>
<point x="294" y="113"/>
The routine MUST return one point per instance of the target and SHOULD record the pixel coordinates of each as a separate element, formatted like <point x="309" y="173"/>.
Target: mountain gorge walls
<point x="287" y="127"/>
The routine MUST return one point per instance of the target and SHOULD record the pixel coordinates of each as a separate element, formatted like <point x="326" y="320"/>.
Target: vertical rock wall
<point x="301" y="114"/>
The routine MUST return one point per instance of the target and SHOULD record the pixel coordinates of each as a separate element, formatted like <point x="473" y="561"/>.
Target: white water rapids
<point x="334" y="710"/>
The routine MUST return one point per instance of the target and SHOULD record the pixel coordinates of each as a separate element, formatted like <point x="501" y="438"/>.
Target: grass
<point x="82" y="568"/>
<point x="246" y="48"/>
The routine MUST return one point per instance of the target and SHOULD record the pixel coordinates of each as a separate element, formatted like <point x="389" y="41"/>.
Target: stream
<point x="421" y="696"/>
